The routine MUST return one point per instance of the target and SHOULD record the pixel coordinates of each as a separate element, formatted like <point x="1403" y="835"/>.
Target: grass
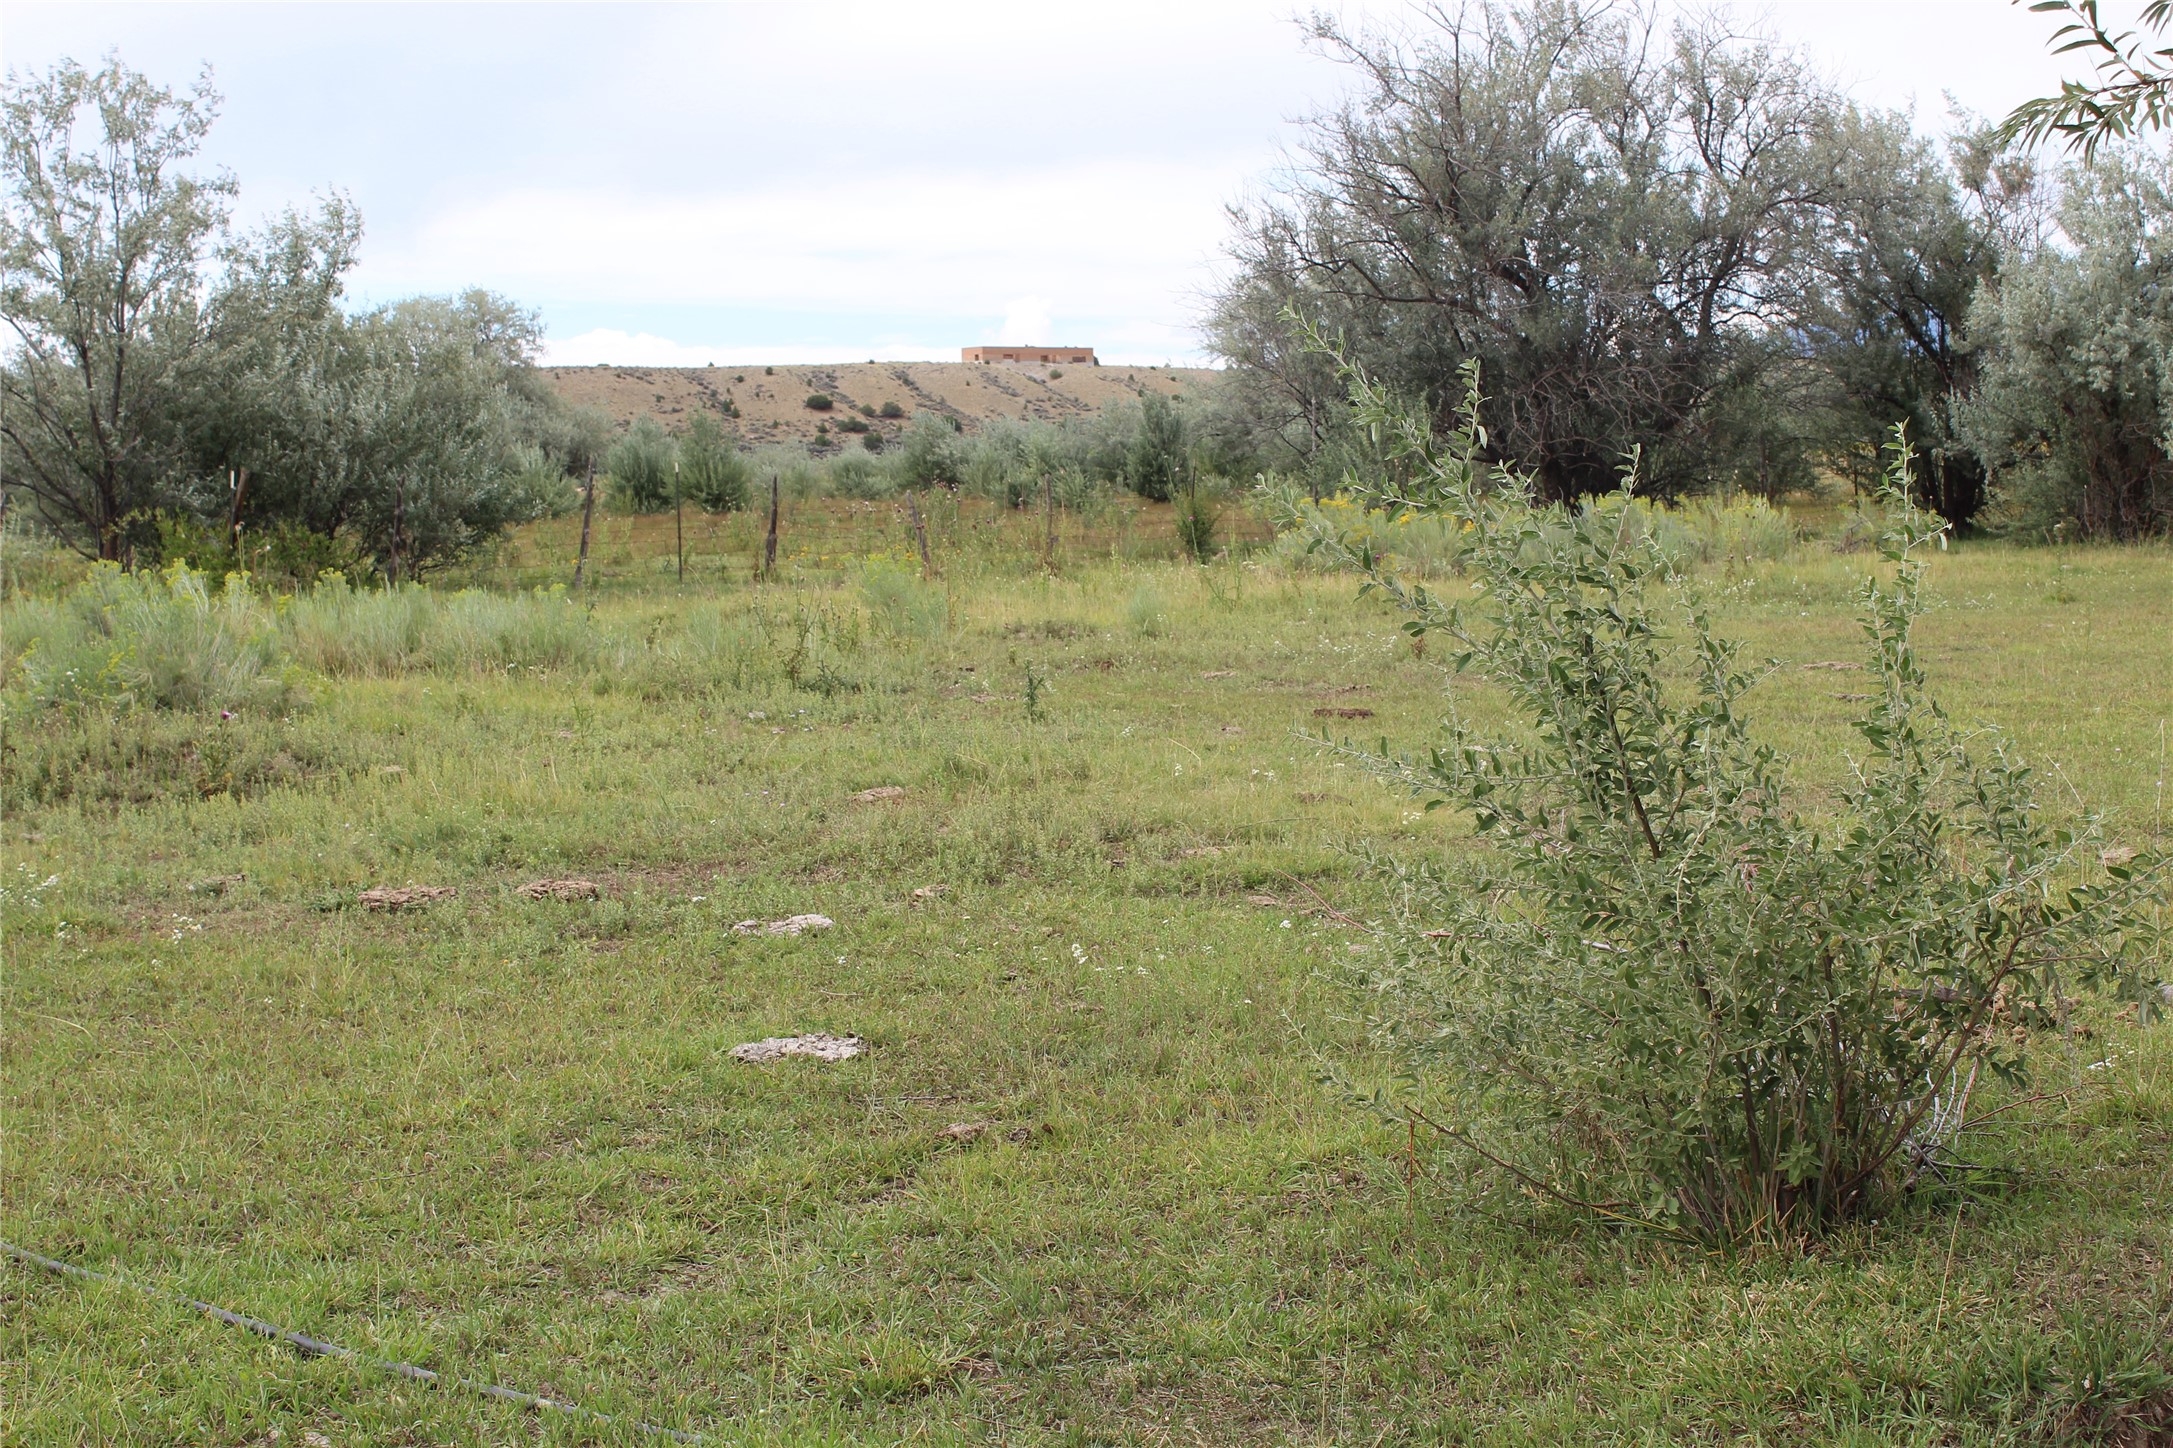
<point x="503" y="1137"/>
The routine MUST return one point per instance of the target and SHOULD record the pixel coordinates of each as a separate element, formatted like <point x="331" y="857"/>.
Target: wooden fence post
<point x="588" y="512"/>
<point x="769" y="544"/>
<point x="233" y="517"/>
<point x="1048" y="493"/>
<point x="920" y="536"/>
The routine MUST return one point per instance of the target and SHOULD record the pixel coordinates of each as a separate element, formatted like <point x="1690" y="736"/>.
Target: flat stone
<point x="821" y="1047"/>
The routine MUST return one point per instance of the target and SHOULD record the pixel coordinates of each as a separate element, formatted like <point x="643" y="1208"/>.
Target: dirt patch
<point x="1342" y="711"/>
<point x="880" y="793"/>
<point x="405" y="896"/>
<point x="561" y="890"/>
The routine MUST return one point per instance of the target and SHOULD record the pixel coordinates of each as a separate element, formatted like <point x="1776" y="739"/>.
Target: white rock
<point x="821" y="1046"/>
<point x="790" y="925"/>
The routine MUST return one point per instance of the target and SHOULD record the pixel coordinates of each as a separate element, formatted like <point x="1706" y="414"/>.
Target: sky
<point x="835" y="182"/>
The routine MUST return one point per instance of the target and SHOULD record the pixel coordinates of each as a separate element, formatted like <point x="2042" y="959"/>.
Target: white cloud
<point x="607" y="345"/>
<point x="1112" y="238"/>
<point x="1026" y="320"/>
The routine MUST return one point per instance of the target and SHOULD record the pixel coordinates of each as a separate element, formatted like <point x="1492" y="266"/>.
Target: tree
<point x="715" y="474"/>
<point x="2133" y="91"/>
<point x="1605" y="215"/>
<point x="1158" y="465"/>
<point x="1910" y="236"/>
<point x="101" y="236"/>
<point x="2074" y="407"/>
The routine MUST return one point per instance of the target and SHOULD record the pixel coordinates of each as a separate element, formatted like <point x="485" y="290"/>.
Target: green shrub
<point x="1147" y="612"/>
<point x="901" y="604"/>
<point x="861" y="477"/>
<point x="1158" y="465"/>
<point x="1667" y="994"/>
<point x="349" y="632"/>
<point x="287" y="554"/>
<point x="156" y="641"/>
<point x="1197" y="517"/>
<point x="852" y="424"/>
<point x="474" y="631"/>
<point x="818" y="402"/>
<point x="872" y="442"/>
<point x="713" y="473"/>
<point x="890" y="409"/>
<point x="640" y="468"/>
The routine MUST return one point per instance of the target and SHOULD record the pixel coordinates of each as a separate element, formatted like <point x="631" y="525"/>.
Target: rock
<point x="400" y="899"/>
<point x="2117" y="855"/>
<point x="1220" y="674"/>
<point x="880" y="793"/>
<point x="790" y="925"/>
<point x="929" y="892"/>
<point x="561" y="890"/>
<point x="821" y="1046"/>
<point x="963" y="1131"/>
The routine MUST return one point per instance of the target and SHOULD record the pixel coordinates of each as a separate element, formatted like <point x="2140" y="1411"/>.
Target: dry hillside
<point x="772" y="402"/>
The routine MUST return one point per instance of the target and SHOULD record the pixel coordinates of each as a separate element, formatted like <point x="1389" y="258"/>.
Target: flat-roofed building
<point x="1083" y="355"/>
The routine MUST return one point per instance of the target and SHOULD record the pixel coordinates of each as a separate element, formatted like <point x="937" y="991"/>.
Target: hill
<point x="772" y="401"/>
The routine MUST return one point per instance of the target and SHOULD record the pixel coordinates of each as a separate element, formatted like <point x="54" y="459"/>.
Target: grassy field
<point x="1087" y="1184"/>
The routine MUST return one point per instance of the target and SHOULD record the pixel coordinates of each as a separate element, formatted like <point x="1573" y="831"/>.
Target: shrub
<point x="1665" y="995"/>
<point x="1158" y="466"/>
<point x="890" y="409"/>
<point x="852" y="424"/>
<point x="640" y="465"/>
<point x="861" y="477"/>
<point x="873" y="442"/>
<point x="1197" y="516"/>
<point x="157" y="641"/>
<point x="818" y="402"/>
<point x="901" y="604"/>
<point x="287" y="554"/>
<point x="1147" y="612"/>
<point x="714" y="474"/>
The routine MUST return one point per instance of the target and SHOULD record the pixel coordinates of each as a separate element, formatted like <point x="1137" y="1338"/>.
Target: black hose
<point x="317" y="1347"/>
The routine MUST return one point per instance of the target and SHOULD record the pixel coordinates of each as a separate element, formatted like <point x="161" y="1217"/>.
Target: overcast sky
<point x="680" y="184"/>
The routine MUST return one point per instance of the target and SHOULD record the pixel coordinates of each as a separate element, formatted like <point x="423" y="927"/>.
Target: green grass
<point x="504" y="1138"/>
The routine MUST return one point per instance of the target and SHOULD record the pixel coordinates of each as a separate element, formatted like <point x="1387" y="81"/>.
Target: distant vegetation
<point x="175" y="384"/>
<point x="1659" y="235"/>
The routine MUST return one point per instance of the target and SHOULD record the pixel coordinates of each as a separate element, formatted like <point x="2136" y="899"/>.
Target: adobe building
<point x="1028" y="354"/>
